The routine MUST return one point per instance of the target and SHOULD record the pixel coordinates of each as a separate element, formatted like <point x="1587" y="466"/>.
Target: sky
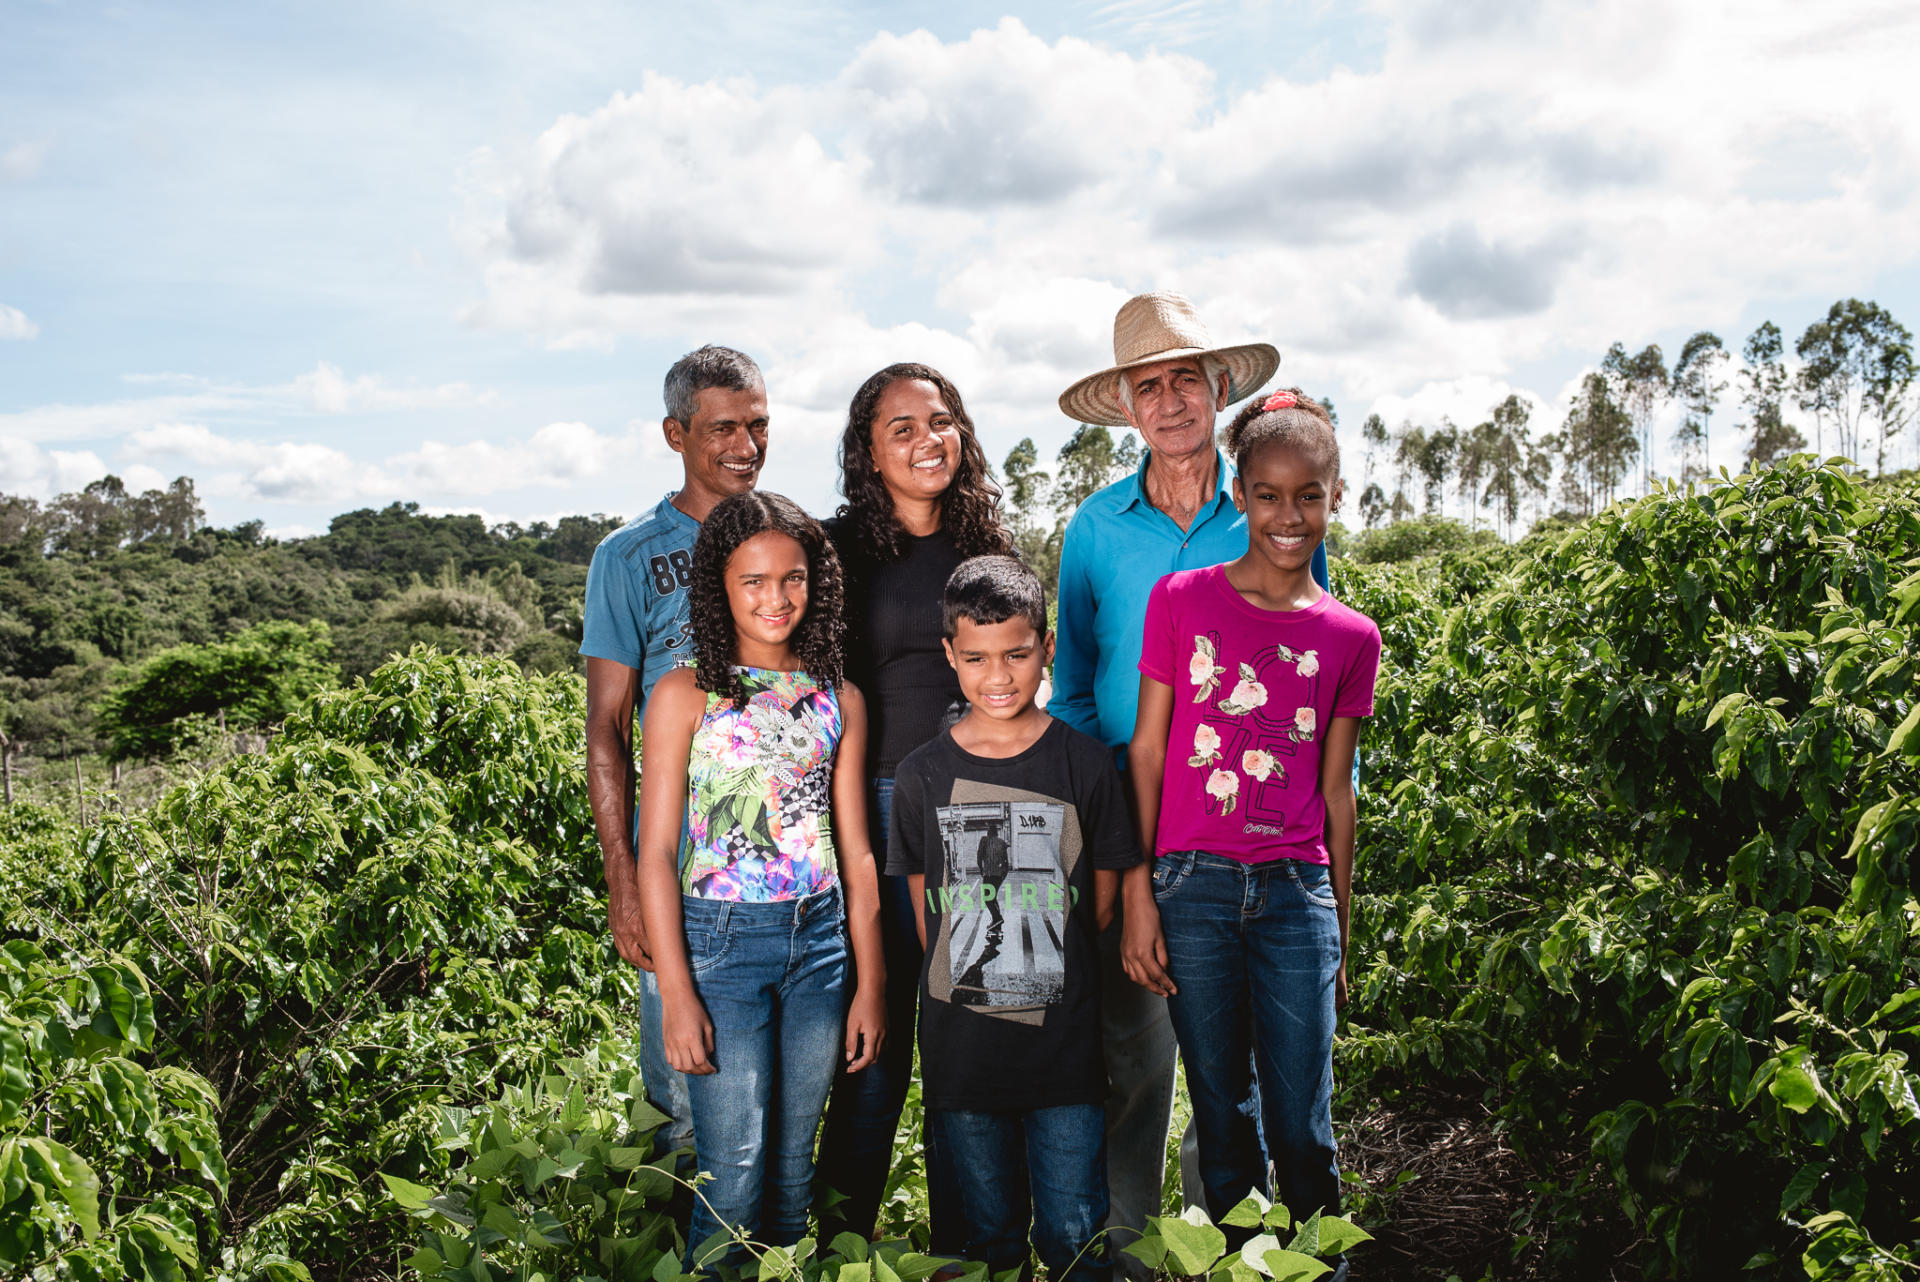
<point x="323" y="257"/>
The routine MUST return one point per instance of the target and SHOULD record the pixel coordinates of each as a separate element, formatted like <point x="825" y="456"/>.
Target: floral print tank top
<point x="760" y="794"/>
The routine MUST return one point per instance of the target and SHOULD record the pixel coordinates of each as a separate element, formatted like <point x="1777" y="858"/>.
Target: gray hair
<point x="1211" y="369"/>
<point x="710" y="366"/>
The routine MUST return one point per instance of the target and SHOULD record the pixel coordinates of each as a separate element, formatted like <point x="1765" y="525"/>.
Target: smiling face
<point x="766" y="580"/>
<point x="999" y="664"/>
<point x="1174" y="407"/>
<point x="1288" y="497"/>
<point x="723" y="447"/>
<point x="916" y="441"/>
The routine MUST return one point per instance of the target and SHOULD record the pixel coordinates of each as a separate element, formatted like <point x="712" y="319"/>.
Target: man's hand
<point x="629" y="928"/>
<point x="1143" y="947"/>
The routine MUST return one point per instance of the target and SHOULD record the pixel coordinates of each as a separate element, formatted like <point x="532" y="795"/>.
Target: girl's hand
<point x="1143" y="948"/>
<point x="1340" y="986"/>
<point x="866" y="1029"/>
<point x="688" y="1034"/>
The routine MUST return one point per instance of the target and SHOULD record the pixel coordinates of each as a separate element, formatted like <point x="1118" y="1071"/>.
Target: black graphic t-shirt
<point x="1010" y="987"/>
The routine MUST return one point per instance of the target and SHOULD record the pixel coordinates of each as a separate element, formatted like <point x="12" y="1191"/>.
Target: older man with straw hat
<point x="1168" y="381"/>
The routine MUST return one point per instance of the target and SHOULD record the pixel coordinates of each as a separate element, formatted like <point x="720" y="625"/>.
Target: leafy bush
<point x="259" y="677"/>
<point x="109" y="1167"/>
<point x="1415" y="537"/>
<point x="394" y="908"/>
<point x="1637" y="857"/>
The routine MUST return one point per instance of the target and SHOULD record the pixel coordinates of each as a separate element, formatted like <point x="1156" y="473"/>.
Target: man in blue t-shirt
<point x="636" y="628"/>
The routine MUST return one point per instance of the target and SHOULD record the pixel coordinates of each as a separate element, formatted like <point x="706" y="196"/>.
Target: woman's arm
<point x="666" y="736"/>
<point x="1143" y="948"/>
<point x="1336" y="790"/>
<point x="867" y="1017"/>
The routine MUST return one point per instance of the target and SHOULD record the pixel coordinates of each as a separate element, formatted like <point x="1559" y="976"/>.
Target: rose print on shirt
<point x="1202" y="669"/>
<point x="1247" y="695"/>
<point x="1206" y="746"/>
<point x="1224" y="787"/>
<point x="1309" y="663"/>
<point x="1261" y="765"/>
<point x="1303" y="726"/>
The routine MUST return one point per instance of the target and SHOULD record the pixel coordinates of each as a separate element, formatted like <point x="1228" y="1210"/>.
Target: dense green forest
<point x="1636" y="981"/>
<point x="99" y="586"/>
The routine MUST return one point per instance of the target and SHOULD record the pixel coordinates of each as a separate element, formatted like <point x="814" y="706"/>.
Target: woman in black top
<point x="920" y="500"/>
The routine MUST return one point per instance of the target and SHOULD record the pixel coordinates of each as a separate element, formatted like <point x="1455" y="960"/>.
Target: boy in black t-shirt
<point x="1013" y="832"/>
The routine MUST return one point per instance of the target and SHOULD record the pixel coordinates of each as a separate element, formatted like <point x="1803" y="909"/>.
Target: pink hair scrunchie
<point x="1279" y="401"/>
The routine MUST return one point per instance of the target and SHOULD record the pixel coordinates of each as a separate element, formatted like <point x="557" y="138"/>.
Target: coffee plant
<point x="1636" y="858"/>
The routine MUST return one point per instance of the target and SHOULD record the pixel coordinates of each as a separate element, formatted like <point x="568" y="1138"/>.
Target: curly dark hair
<point x="816" y="642"/>
<point x="1305" y="425"/>
<point x="969" y="510"/>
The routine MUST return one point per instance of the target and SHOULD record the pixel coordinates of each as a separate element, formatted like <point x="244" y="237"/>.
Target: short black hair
<point x="993" y="589"/>
<point x="705" y="367"/>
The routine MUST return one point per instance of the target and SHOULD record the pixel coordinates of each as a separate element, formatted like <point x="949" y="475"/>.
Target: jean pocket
<point x="1168" y="872"/>
<point x="707" y="948"/>
<point x="1314" y="883"/>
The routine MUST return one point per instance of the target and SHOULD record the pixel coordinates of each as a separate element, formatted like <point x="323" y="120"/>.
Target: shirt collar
<point x="1137" y="483"/>
<point x="667" y="511"/>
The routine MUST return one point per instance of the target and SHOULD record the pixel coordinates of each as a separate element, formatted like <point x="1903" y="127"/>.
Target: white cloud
<point x="22" y="161"/>
<point x="1003" y="117"/>
<point x="25" y="468"/>
<point x="555" y="455"/>
<point x="285" y="471"/>
<point x="1388" y="228"/>
<point x="15" y="324"/>
<point x="330" y="391"/>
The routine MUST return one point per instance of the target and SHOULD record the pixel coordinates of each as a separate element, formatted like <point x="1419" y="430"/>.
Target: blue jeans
<point x="771" y="978"/>
<point x="856" y="1148"/>
<point x="1044" y="1170"/>
<point x="1253" y="949"/>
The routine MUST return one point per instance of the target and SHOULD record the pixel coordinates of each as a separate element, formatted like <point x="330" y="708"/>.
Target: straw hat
<point x="1162" y="327"/>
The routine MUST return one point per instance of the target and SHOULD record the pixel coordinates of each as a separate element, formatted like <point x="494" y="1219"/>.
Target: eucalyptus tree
<point x="1639" y="385"/>
<point x="1697" y="386"/>
<point x="1510" y="463"/>
<point x="1764" y="383"/>
<point x="1597" y="445"/>
<point x="1856" y="371"/>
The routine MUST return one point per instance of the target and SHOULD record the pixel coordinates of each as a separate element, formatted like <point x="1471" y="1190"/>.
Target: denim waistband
<point x="1207" y="859"/>
<point x="718" y="914"/>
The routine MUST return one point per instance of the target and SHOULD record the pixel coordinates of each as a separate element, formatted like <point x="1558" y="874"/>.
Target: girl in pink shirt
<point x="1253" y="681"/>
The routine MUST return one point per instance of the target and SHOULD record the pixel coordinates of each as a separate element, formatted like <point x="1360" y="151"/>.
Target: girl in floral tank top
<point x="754" y="867"/>
<point x="759" y="815"/>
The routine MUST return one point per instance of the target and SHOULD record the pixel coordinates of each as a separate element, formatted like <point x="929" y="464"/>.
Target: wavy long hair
<point x="816" y="641"/>
<point x="969" y="510"/>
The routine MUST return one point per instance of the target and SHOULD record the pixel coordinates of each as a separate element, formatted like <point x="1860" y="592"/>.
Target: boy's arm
<point x="867" y="1016"/>
<point x="1143" y="948"/>
<point x="1106" y="889"/>
<point x="917" y="885"/>
<point x="1336" y="790"/>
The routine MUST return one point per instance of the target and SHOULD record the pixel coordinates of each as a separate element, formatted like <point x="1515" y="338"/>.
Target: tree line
<point x="1853" y="376"/>
<point x="122" y="612"/>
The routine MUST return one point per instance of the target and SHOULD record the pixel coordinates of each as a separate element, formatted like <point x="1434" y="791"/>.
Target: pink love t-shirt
<point x="1253" y="693"/>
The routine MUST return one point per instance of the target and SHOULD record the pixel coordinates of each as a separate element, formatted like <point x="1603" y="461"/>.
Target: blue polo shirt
<point x="636" y="608"/>
<point x="1117" y="546"/>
